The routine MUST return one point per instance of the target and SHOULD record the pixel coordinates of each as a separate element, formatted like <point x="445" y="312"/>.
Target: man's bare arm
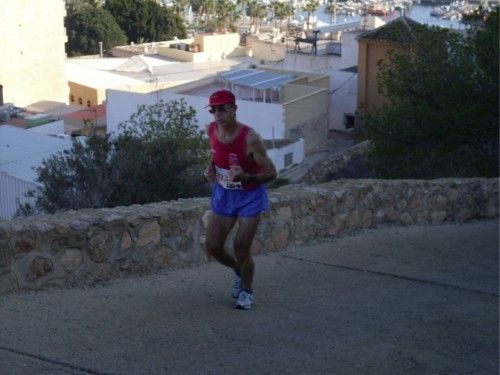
<point x="257" y="150"/>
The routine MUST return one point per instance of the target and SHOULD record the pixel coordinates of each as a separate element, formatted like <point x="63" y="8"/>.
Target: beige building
<point x="373" y="47"/>
<point x="203" y="48"/>
<point x="32" y="57"/>
<point x="152" y="66"/>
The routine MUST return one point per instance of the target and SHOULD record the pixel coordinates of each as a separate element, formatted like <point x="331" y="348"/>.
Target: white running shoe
<point x="235" y="291"/>
<point x="244" y="301"/>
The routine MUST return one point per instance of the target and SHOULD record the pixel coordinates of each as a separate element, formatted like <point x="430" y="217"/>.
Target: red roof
<point x="98" y="111"/>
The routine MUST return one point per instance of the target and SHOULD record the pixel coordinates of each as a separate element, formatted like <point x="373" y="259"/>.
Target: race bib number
<point x="223" y="179"/>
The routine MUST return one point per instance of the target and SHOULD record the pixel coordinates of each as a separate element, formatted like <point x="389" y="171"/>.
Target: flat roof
<point x="88" y="75"/>
<point x="116" y="73"/>
<point x="254" y="78"/>
<point x="22" y="150"/>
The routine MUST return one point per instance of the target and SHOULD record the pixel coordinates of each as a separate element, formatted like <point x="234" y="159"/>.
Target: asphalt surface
<point x="393" y="300"/>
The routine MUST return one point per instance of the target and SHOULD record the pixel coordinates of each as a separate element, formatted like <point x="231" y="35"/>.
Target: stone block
<point x="71" y="260"/>
<point x="379" y="217"/>
<point x="160" y="258"/>
<point x="441" y="200"/>
<point x="6" y="254"/>
<point x="339" y="224"/>
<point x="406" y="218"/>
<point x="25" y="242"/>
<point x="353" y="220"/>
<point x="367" y="219"/>
<point x="149" y="233"/>
<point x="284" y="215"/>
<point x="280" y="239"/>
<point x="8" y="283"/>
<point x="464" y="215"/>
<point x="43" y="227"/>
<point x="100" y="246"/>
<point x="453" y="195"/>
<point x="79" y="225"/>
<point x="125" y="241"/>
<point x="438" y="217"/>
<point x="39" y="267"/>
<point x="491" y="212"/>
<point x="256" y="247"/>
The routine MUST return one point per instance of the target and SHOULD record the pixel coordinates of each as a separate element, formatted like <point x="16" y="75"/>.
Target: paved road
<point x="395" y="300"/>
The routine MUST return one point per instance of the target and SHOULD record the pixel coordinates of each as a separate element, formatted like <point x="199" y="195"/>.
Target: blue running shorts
<point x="239" y="203"/>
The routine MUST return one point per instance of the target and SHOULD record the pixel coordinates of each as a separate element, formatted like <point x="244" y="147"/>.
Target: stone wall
<point x="350" y="163"/>
<point x="88" y="246"/>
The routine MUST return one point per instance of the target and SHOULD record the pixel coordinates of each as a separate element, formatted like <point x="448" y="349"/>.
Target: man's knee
<point x="242" y="253"/>
<point x="213" y="250"/>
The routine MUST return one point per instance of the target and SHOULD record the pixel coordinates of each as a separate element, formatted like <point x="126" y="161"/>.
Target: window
<point x="80" y="101"/>
<point x="72" y="98"/>
<point x="349" y="119"/>
<point x="288" y="159"/>
<point x="88" y="103"/>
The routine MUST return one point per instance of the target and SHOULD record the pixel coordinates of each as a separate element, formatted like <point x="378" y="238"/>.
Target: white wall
<point x="266" y="118"/>
<point x="12" y="190"/>
<point x="277" y="155"/>
<point x="344" y="100"/>
<point x="21" y="151"/>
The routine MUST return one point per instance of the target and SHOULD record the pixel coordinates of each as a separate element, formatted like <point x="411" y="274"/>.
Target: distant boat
<point x="375" y="11"/>
<point x="436" y="12"/>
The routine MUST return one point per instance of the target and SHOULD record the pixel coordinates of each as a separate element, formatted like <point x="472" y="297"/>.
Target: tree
<point x="146" y="20"/>
<point x="86" y="26"/>
<point x="310" y="7"/>
<point x="256" y="11"/>
<point x="158" y="156"/>
<point x="72" y="4"/>
<point x="180" y="6"/>
<point x="226" y="15"/>
<point x="440" y="117"/>
<point x="281" y="11"/>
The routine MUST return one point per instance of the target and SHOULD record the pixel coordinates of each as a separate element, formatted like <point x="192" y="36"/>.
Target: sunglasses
<point x="220" y="108"/>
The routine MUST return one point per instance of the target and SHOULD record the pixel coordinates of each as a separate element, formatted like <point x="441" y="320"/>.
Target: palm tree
<point x="310" y="7"/>
<point x="281" y="11"/>
<point x="226" y="14"/>
<point x="204" y="9"/>
<point x="256" y="11"/>
<point x="180" y="7"/>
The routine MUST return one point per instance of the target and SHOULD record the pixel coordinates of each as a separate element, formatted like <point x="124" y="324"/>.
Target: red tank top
<point x="234" y="153"/>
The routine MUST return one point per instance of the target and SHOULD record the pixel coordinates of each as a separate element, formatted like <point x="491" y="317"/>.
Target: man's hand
<point x="236" y="173"/>
<point x="209" y="173"/>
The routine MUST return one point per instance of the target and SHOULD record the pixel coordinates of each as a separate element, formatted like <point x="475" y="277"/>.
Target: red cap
<point x="221" y="97"/>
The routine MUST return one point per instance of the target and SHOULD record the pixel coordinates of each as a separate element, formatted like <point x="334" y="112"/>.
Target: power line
<point x="343" y="84"/>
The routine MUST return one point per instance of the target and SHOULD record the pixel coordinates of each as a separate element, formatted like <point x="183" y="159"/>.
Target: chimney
<point x="1" y="95"/>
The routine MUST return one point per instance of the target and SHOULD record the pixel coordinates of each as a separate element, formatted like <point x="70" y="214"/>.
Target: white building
<point x="20" y="152"/>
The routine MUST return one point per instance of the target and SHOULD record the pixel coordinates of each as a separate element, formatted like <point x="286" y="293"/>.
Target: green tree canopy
<point x="158" y="156"/>
<point x="440" y="117"/>
<point x="310" y="8"/>
<point x="86" y="26"/>
<point x="146" y="20"/>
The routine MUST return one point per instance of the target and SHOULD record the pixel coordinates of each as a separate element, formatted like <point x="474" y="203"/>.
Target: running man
<point x="239" y="167"/>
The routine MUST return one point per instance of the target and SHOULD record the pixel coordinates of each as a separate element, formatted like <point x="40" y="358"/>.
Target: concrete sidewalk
<point x="395" y="300"/>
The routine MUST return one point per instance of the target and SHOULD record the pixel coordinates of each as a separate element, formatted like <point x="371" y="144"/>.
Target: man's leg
<point x="247" y="227"/>
<point x="217" y="230"/>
